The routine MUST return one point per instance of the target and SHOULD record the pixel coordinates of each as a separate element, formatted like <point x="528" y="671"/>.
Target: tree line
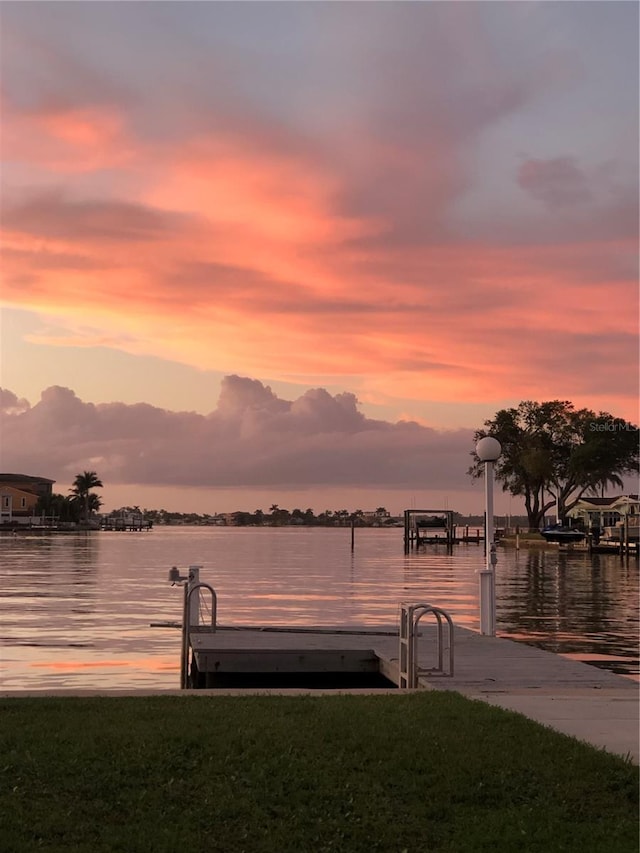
<point x="276" y="517"/>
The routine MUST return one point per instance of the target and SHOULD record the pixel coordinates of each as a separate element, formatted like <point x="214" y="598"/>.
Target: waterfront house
<point x="19" y="494"/>
<point x="609" y="516"/>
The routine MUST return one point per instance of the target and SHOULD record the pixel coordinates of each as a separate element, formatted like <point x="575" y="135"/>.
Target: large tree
<point x="552" y="454"/>
<point x="81" y="489"/>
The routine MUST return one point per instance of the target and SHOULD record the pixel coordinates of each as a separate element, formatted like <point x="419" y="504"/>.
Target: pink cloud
<point x="252" y="438"/>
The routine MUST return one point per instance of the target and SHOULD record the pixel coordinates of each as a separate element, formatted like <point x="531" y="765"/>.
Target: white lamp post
<point x="488" y="450"/>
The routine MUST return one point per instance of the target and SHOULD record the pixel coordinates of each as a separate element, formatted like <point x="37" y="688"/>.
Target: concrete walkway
<point x="574" y="698"/>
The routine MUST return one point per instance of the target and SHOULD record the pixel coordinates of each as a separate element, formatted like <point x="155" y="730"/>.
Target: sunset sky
<point x="296" y="253"/>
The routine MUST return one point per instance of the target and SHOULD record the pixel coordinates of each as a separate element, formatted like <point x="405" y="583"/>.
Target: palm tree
<point x="275" y="511"/>
<point x="81" y="488"/>
<point x="95" y="502"/>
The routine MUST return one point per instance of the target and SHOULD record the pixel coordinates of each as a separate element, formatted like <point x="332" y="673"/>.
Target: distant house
<point x="607" y="514"/>
<point x="19" y="494"/>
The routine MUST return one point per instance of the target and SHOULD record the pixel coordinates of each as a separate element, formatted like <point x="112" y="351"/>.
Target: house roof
<point x="607" y="501"/>
<point x="25" y="478"/>
<point x="626" y="500"/>
<point x="616" y="504"/>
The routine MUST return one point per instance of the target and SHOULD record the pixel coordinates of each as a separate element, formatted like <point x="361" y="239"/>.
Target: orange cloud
<point x="227" y="253"/>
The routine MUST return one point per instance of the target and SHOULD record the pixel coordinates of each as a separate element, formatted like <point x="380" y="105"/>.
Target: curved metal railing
<point x="186" y="626"/>
<point x="410" y="616"/>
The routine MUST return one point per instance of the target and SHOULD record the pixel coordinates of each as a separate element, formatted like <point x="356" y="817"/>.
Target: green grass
<point x="307" y="774"/>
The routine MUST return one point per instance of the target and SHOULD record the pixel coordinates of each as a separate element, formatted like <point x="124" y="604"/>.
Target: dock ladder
<point x="409" y="671"/>
<point x="188" y="628"/>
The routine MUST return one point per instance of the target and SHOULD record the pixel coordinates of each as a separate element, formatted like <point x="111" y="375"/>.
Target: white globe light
<point x="488" y="449"/>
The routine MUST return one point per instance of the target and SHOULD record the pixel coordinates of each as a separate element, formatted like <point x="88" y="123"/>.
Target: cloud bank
<point x="252" y="438"/>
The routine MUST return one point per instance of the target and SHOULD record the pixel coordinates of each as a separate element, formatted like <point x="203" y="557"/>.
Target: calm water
<point x="75" y="609"/>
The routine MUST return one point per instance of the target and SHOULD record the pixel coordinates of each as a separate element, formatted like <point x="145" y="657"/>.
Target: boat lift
<point x="428" y="527"/>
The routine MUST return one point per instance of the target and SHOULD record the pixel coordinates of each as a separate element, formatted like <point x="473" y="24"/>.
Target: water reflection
<point x="584" y="607"/>
<point x="47" y="582"/>
<point x="75" y="610"/>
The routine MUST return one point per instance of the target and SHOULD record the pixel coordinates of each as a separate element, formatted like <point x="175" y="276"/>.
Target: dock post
<point x="194" y="604"/>
<point x="353" y="532"/>
<point x="488" y="450"/>
<point x="184" y="656"/>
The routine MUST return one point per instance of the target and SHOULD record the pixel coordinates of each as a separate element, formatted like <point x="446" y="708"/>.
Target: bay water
<point x="76" y="608"/>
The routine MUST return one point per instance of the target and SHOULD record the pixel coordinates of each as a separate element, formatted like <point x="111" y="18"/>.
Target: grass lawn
<point x="304" y="774"/>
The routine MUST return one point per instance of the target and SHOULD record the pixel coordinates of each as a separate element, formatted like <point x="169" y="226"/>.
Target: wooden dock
<point x="436" y="527"/>
<point x="624" y="548"/>
<point x="481" y="662"/>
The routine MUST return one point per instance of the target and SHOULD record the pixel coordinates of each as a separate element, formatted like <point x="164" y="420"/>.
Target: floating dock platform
<point x="285" y="657"/>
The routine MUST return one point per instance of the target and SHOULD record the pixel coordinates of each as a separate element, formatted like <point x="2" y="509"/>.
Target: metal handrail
<point x="186" y="627"/>
<point x="409" y="671"/>
<point x="439" y="613"/>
